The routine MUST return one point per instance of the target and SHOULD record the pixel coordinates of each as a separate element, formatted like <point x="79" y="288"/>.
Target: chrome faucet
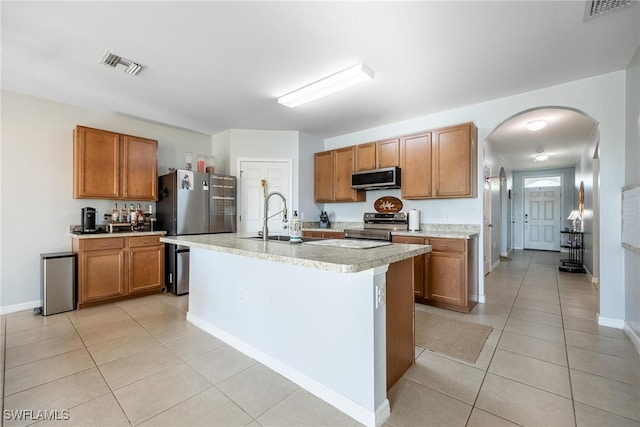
<point x="265" y="229"/>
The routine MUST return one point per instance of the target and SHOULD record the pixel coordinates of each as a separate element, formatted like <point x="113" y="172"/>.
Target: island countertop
<point x="340" y="260"/>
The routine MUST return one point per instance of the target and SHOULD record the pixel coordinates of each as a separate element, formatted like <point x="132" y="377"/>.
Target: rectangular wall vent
<point x="112" y="60"/>
<point x="597" y="8"/>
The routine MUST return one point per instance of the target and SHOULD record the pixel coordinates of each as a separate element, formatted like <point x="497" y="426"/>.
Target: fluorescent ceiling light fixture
<point x="536" y="125"/>
<point x="337" y="82"/>
<point x="112" y="60"/>
<point x="540" y="157"/>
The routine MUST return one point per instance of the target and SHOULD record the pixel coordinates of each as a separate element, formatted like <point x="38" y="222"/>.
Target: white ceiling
<point x="212" y="66"/>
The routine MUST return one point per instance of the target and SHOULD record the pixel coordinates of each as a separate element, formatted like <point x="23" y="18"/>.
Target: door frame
<point x="524" y="203"/>
<point x="239" y="161"/>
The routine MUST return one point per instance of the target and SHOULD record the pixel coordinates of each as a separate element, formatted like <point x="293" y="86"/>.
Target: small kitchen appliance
<point x="88" y="220"/>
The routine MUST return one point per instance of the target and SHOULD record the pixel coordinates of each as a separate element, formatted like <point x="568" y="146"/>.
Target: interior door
<point x="542" y="218"/>
<point x="277" y="175"/>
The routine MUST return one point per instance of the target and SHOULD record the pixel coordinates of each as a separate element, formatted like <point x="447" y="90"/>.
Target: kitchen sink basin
<point x="284" y="238"/>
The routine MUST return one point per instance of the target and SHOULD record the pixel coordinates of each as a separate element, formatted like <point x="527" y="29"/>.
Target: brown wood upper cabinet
<point x="109" y="165"/>
<point x="380" y="154"/>
<point x="332" y="176"/>
<point x="440" y="163"/>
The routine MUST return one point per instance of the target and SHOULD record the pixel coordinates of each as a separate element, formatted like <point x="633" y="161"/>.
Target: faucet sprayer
<point x="265" y="229"/>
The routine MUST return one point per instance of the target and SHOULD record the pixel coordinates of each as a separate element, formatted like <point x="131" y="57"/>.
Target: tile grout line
<point x="486" y="372"/>
<point x="100" y="371"/>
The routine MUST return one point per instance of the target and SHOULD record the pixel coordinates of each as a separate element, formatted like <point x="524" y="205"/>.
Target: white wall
<point x="584" y="174"/>
<point x="602" y="97"/>
<point x="309" y="144"/>
<point x="632" y="177"/>
<point x="37" y="182"/>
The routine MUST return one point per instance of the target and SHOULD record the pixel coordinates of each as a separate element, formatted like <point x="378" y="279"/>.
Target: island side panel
<point x="325" y="326"/>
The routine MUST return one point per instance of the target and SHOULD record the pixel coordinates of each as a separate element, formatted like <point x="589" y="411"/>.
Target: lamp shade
<point x="574" y="215"/>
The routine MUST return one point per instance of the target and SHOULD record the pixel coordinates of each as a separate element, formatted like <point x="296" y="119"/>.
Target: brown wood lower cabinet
<point x="323" y="234"/>
<point x="114" y="268"/>
<point x="446" y="277"/>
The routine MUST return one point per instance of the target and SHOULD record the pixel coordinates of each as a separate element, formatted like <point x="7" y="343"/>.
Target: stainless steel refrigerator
<point x="192" y="203"/>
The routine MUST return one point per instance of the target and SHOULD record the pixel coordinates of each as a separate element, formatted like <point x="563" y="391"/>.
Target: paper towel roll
<point x="414" y="220"/>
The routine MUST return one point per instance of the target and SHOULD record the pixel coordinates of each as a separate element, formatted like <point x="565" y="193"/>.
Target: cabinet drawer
<point x="142" y="241"/>
<point x="447" y="245"/>
<point x="333" y="234"/>
<point x="102" y="244"/>
<point x="408" y="239"/>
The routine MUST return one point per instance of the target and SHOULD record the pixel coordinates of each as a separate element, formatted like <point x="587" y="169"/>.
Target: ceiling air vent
<point x="597" y="8"/>
<point x="112" y="60"/>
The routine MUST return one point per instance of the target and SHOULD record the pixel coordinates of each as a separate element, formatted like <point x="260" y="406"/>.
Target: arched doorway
<point x="568" y="136"/>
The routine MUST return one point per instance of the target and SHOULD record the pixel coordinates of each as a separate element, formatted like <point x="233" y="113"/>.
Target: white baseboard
<point x="495" y="265"/>
<point x="482" y="299"/>
<point x="635" y="339"/>
<point x="368" y="418"/>
<point x="611" y="323"/>
<point x="20" y="307"/>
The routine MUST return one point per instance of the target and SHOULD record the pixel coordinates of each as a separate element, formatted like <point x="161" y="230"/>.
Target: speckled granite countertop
<point x="119" y="234"/>
<point x="340" y="260"/>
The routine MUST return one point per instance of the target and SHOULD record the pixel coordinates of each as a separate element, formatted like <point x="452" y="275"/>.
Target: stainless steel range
<point x="378" y="226"/>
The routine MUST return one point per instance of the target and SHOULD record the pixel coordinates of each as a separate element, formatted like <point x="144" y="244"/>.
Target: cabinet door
<point x="446" y="273"/>
<point x="102" y="275"/>
<point x="366" y="156"/>
<point x="96" y="164"/>
<point x="418" y="262"/>
<point x="388" y="153"/>
<point x="139" y="168"/>
<point x="323" y="176"/>
<point x="454" y="161"/>
<point x="146" y="269"/>
<point x="415" y="163"/>
<point x="343" y="166"/>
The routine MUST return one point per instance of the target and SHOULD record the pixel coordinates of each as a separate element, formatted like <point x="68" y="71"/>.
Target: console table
<point x="573" y="240"/>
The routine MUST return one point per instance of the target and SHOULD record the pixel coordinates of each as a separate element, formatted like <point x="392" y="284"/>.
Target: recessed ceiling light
<point x="112" y="60"/>
<point x="342" y="80"/>
<point x="541" y="157"/>
<point x="536" y="125"/>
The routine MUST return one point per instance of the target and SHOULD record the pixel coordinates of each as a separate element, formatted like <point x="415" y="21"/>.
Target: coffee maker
<point x="88" y="220"/>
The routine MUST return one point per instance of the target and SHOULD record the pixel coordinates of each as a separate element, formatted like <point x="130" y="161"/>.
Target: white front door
<point x="542" y="218"/>
<point x="277" y="175"/>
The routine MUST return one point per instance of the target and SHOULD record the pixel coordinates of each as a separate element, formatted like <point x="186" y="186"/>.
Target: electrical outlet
<point x="380" y="296"/>
<point x="241" y="296"/>
<point x="446" y="215"/>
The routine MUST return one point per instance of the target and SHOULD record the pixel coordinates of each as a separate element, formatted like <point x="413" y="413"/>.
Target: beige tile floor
<point x="139" y="362"/>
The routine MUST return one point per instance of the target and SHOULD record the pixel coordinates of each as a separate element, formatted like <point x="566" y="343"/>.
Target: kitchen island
<point x="317" y="315"/>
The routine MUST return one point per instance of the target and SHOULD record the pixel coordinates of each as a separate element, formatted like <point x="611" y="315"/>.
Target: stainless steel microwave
<point x="376" y="179"/>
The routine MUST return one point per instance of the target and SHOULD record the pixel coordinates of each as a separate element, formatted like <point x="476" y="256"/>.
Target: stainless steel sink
<point x="284" y="238"/>
<point x="276" y="237"/>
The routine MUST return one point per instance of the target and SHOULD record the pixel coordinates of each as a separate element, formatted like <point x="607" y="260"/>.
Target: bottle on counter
<point x="133" y="216"/>
<point x="295" y="228"/>
<point x="122" y="218"/>
<point x="115" y="214"/>
<point x="139" y="214"/>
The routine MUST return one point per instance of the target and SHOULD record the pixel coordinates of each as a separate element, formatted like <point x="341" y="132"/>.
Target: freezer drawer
<point x="58" y="282"/>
